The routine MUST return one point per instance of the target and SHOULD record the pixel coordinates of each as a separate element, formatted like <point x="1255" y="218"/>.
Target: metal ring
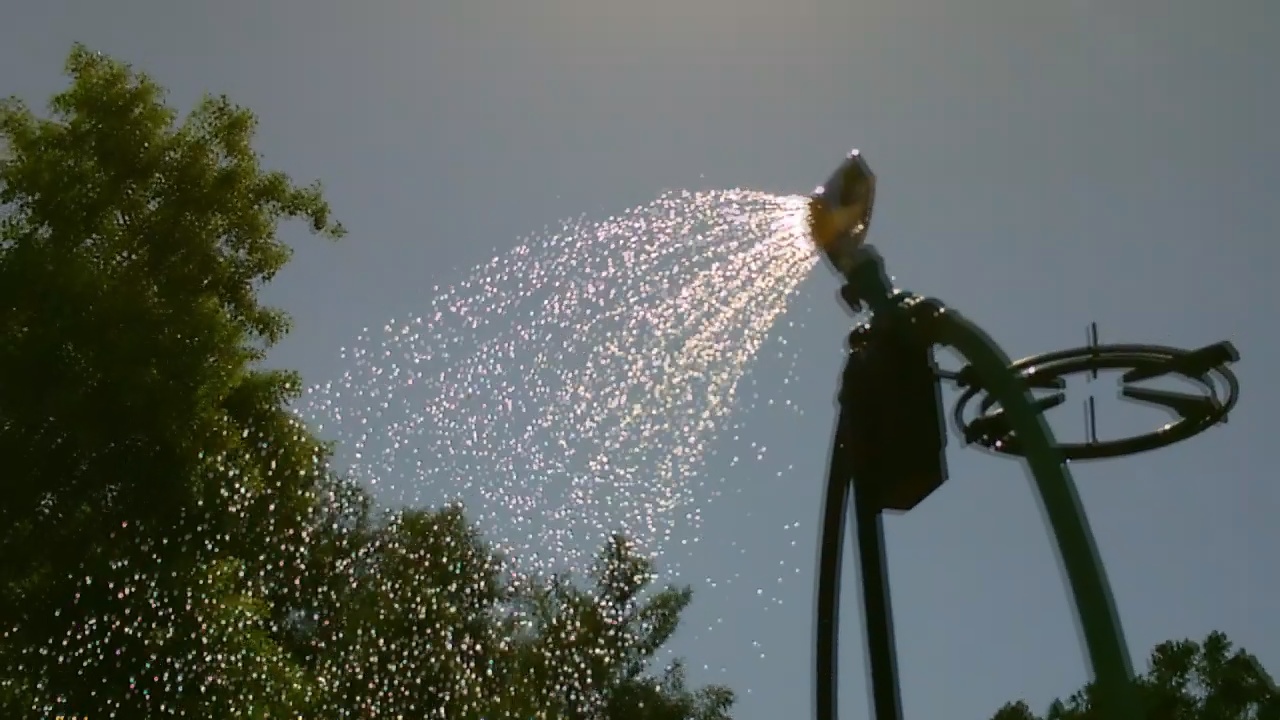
<point x="1143" y="362"/>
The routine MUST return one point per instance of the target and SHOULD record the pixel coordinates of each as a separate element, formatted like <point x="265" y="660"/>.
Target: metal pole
<point x="1095" y="608"/>
<point x="877" y="611"/>
<point x="876" y="608"/>
<point x="830" y="553"/>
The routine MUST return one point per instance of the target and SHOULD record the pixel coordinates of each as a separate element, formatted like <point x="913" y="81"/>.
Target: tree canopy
<point x="176" y="542"/>
<point x="1185" y="680"/>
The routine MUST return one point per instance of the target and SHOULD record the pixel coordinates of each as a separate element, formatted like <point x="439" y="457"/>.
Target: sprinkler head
<point x="840" y="212"/>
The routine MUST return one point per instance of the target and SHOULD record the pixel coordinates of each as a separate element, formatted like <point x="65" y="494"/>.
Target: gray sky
<point x="1042" y="165"/>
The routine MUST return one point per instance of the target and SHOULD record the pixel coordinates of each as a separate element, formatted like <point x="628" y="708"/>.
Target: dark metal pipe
<point x="877" y="611"/>
<point x="830" y="552"/>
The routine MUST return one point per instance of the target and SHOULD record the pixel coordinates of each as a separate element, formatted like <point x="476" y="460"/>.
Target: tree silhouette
<point x="1185" y="680"/>
<point x="176" y="543"/>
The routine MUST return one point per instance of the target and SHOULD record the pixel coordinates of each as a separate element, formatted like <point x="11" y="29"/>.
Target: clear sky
<point x="1042" y="165"/>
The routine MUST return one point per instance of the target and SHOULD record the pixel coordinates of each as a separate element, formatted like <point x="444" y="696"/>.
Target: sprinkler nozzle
<point x="840" y="212"/>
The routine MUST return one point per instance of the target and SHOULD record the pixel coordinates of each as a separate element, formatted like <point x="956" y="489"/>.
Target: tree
<point x="525" y="648"/>
<point x="143" y="448"/>
<point x="175" y="541"/>
<point x="1185" y="680"/>
<point x="413" y="635"/>
<point x="585" y="652"/>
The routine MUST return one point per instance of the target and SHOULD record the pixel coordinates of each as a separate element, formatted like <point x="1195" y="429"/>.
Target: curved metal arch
<point x="1096" y="615"/>
<point x="1095" y="612"/>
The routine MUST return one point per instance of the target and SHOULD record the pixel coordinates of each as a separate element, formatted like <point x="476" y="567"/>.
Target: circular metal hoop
<point x="1206" y="367"/>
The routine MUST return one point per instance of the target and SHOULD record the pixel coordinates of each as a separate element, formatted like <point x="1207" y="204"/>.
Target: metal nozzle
<point x="840" y="212"/>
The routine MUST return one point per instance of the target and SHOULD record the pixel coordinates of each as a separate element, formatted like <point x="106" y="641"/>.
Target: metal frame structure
<point x="880" y="401"/>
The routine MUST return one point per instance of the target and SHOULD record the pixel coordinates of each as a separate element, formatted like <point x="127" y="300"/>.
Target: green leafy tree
<point x="150" y="466"/>
<point x="431" y="622"/>
<point x="413" y="633"/>
<point x="175" y="543"/>
<point x="586" y="652"/>
<point x="1185" y="680"/>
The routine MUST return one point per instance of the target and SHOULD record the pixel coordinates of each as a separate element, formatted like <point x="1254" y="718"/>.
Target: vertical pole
<point x="830" y="553"/>
<point x="877" y="610"/>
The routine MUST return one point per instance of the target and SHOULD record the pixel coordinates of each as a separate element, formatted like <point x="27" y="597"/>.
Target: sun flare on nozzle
<point x="840" y="211"/>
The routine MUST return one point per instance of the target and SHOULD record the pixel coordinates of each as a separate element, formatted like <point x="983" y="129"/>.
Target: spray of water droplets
<point x="569" y="389"/>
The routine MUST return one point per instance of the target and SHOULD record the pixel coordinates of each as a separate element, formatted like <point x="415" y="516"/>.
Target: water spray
<point x="890" y="437"/>
<point x="574" y="386"/>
